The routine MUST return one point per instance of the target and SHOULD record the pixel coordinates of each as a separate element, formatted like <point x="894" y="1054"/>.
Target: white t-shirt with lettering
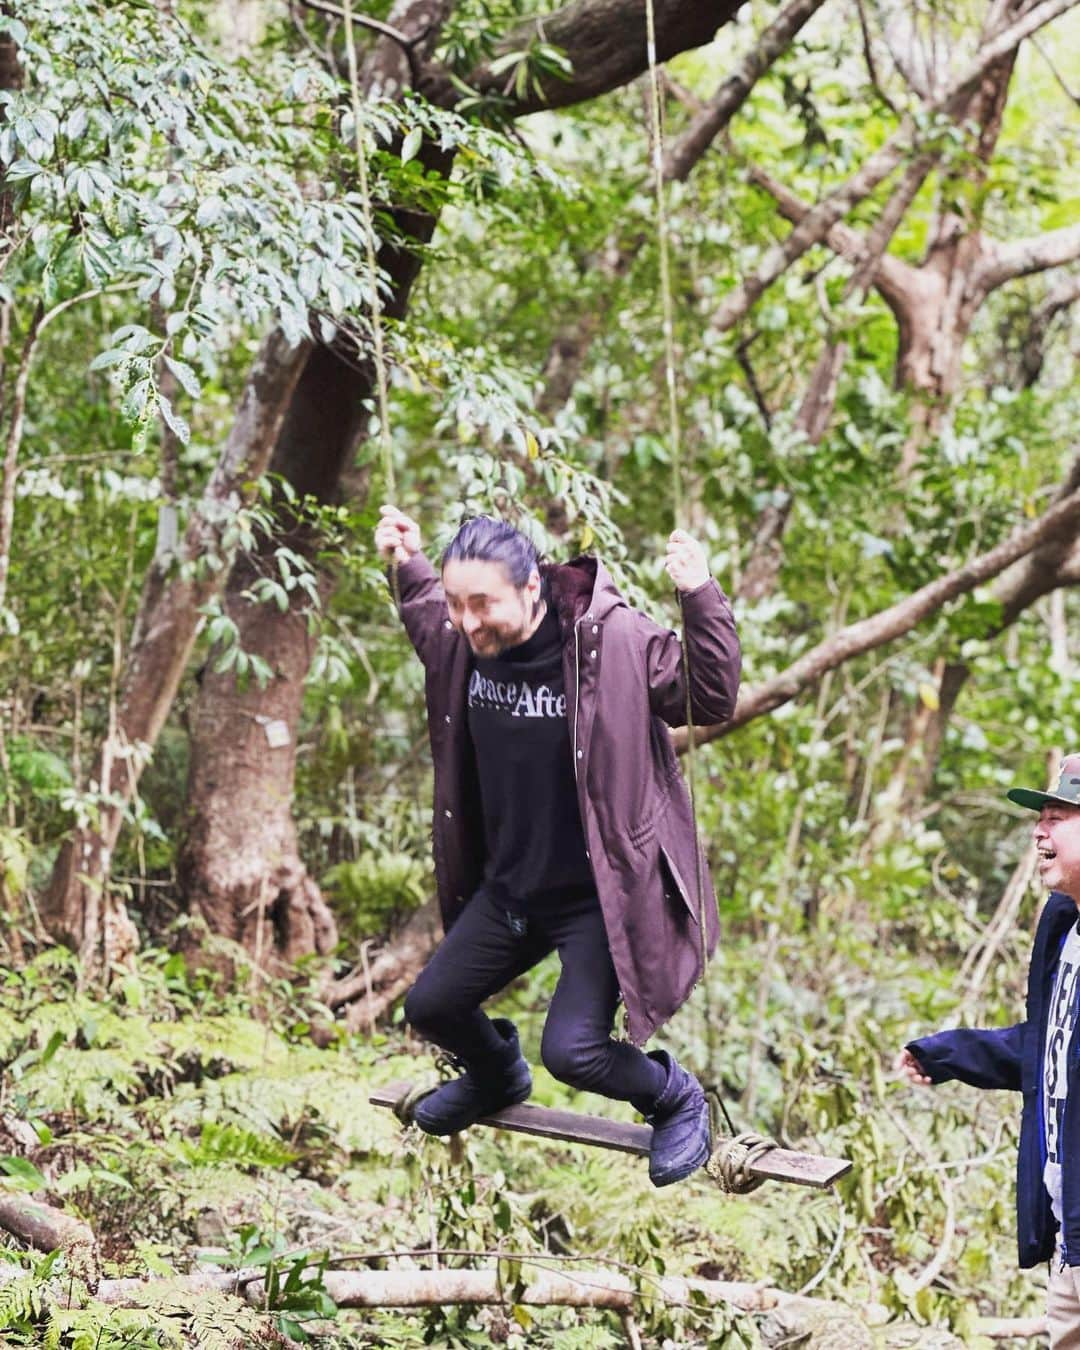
<point x="1059" y="1037"/>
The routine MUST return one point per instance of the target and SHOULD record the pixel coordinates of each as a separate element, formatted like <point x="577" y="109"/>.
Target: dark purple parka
<point x="624" y="681"/>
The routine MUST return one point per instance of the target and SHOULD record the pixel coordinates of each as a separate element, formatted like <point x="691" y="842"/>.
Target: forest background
<point x="214" y="784"/>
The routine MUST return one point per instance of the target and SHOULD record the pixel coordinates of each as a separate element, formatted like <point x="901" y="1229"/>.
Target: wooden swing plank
<point x="779" y="1164"/>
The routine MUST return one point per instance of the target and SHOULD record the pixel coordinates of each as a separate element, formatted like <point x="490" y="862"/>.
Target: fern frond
<point x="22" y="1299"/>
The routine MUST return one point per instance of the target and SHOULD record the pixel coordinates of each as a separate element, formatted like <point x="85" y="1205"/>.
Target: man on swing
<point x="561" y="820"/>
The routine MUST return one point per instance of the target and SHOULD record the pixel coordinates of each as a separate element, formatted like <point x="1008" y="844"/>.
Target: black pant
<point x="487" y="948"/>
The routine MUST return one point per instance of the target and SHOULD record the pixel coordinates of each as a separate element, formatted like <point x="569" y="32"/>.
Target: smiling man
<point x="1039" y="1057"/>
<point x="561" y="820"/>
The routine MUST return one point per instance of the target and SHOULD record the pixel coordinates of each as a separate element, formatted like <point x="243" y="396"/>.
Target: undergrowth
<point x="194" y="1136"/>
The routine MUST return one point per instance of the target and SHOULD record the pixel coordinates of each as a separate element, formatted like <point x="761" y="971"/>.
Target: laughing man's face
<point x="487" y="608"/>
<point x="1057" y="842"/>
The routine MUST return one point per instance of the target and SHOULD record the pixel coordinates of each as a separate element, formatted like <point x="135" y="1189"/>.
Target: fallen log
<point x="42" y="1226"/>
<point x="372" y="991"/>
<point x="586" y="1289"/>
<point x="1011" y="1328"/>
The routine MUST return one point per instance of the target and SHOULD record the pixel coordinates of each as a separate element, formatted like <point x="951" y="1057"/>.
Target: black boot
<point x="485" y="1087"/>
<point x="680" y="1121"/>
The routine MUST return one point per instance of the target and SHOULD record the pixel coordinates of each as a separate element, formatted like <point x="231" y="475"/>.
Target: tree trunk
<point x="78" y="907"/>
<point x="11" y="77"/>
<point x="950" y="287"/>
<point x="240" y="869"/>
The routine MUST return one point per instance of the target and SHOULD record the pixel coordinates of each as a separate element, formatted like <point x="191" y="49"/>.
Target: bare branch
<point x="1041" y="570"/>
<point x="1022" y="257"/>
<point x="680" y="93"/>
<point x="364" y="21"/>
<point x="881" y="232"/>
<point x="894" y="278"/>
<point x="742" y="355"/>
<point x="1059" y="522"/>
<point x="817" y="223"/>
<point x="871" y="64"/>
<point x="1007" y="41"/>
<point x="734" y="90"/>
<point x="899" y="32"/>
<point x="1075" y="98"/>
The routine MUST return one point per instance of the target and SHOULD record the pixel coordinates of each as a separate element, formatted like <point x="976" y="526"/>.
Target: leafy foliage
<point x="172" y="202"/>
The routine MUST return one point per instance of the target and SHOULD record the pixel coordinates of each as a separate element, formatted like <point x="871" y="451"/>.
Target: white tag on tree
<point x="277" y="733"/>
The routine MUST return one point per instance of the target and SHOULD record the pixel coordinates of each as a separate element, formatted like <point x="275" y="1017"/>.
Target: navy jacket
<point x="1013" y="1058"/>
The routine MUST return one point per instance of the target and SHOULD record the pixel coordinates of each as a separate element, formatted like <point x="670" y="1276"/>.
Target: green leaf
<point x="21" y="169"/>
<point x="173" y="420"/>
<point x="56" y="1040"/>
<point x="113" y="357"/>
<point x="186" y="377"/>
<point x="411" y="144"/>
<point x="23" y="1173"/>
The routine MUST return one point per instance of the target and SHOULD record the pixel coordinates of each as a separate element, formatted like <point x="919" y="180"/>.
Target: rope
<point x="732" y="1160"/>
<point x="674" y="435"/>
<point x="733" y="1155"/>
<point x="381" y="382"/>
<point x="386" y="449"/>
<point x="409" y="1100"/>
<point x="447" y="1067"/>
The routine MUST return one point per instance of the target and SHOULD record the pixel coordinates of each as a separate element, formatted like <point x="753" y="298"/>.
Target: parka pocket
<point x="645" y="830"/>
<point x="672" y="879"/>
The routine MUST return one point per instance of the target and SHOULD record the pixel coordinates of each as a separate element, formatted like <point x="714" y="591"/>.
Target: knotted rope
<point x="447" y="1067"/>
<point x="732" y="1160"/>
<point x="733" y="1154"/>
<point x="409" y="1100"/>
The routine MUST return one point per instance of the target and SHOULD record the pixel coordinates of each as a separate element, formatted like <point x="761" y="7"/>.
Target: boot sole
<point x="442" y="1131"/>
<point x="684" y="1170"/>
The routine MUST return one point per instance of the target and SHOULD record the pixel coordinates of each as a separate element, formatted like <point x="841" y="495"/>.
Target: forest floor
<point x="199" y="1130"/>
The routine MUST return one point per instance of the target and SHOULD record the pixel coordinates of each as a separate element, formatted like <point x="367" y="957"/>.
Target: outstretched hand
<point x="686" y="563"/>
<point x="397" y="536"/>
<point x="907" y="1066"/>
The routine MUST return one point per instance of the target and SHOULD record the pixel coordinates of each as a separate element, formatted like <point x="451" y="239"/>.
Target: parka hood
<point x="579" y="587"/>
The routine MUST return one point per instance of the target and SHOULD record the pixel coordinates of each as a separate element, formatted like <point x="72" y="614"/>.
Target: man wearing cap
<point x="1038" y="1057"/>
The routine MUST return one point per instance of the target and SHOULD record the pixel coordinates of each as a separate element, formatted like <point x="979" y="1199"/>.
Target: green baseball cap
<point x="1067" y="790"/>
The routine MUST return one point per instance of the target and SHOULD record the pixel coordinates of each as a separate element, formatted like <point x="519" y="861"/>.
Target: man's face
<point x="487" y="607"/>
<point x="1057" y="841"/>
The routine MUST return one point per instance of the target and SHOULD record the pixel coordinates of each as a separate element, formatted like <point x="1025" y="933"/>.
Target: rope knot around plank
<point x="406" y="1104"/>
<point x="732" y="1160"/>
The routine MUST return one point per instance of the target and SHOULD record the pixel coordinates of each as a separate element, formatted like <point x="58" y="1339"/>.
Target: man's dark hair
<point x="485" y="539"/>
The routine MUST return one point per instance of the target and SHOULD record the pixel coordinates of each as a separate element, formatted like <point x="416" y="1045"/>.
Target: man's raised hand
<point x="907" y="1066"/>
<point x="686" y="563"/>
<point x="397" y="536"/>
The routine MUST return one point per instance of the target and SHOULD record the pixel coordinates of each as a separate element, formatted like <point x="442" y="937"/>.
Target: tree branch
<point x="871" y="64"/>
<point x="1062" y="296"/>
<point x="1022" y="257"/>
<point x="1057" y="74"/>
<point x="604" y="41"/>
<point x="43" y="1226"/>
<point x="684" y="153"/>
<point x="1059" y="522"/>
<point x="364" y="21"/>
<point x="12" y="446"/>
<point x="895" y="279"/>
<point x="1041" y="570"/>
<point x="817" y="223"/>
